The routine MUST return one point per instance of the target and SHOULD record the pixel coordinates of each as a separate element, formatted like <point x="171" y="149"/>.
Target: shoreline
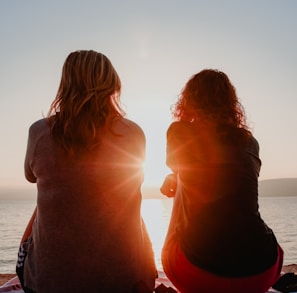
<point x="286" y="269"/>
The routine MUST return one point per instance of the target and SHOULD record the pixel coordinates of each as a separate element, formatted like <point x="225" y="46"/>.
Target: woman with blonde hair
<point x="86" y="234"/>
<point x="217" y="240"/>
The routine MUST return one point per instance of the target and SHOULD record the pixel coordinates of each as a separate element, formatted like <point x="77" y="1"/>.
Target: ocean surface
<point x="278" y="212"/>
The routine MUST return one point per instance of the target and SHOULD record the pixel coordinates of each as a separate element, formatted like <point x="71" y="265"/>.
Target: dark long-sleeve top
<point x="88" y="235"/>
<point x="218" y="222"/>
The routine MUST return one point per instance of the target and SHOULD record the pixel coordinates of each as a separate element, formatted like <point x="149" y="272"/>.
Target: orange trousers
<point x="188" y="278"/>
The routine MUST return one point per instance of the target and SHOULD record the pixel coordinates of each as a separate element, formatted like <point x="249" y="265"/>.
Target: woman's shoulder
<point x="182" y="129"/>
<point x="124" y="125"/>
<point x="248" y="137"/>
<point x="130" y="123"/>
<point x="38" y="126"/>
<point x="177" y="126"/>
<point x="253" y="145"/>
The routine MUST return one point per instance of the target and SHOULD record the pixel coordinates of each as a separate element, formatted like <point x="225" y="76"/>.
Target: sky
<point x="155" y="46"/>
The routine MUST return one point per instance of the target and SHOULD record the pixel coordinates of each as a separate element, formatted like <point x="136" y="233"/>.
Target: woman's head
<point x="210" y="95"/>
<point x="87" y="98"/>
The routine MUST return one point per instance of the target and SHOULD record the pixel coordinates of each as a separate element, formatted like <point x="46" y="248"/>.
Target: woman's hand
<point x="168" y="187"/>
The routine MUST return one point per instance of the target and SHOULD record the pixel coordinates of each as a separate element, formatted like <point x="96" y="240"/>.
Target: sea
<point x="280" y="213"/>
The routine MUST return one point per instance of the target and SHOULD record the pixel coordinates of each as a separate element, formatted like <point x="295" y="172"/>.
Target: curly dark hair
<point x="211" y="94"/>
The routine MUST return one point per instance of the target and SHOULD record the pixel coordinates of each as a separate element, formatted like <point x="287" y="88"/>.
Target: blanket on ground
<point x="13" y="285"/>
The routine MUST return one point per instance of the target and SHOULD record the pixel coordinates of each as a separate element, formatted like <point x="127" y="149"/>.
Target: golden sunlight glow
<point x="154" y="167"/>
<point x="156" y="215"/>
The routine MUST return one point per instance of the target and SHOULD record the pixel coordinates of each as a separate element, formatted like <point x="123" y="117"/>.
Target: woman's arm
<point x="28" y="229"/>
<point x="173" y="149"/>
<point x="168" y="187"/>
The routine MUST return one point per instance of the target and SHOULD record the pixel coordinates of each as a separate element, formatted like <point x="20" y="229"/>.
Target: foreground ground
<point x="286" y="269"/>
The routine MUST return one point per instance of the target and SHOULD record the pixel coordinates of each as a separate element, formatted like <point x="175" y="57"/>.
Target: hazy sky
<point x="155" y="45"/>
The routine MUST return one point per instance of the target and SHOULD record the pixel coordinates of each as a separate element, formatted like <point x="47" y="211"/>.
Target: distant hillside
<point x="152" y="192"/>
<point x="271" y="187"/>
<point x="18" y="192"/>
<point x="278" y="187"/>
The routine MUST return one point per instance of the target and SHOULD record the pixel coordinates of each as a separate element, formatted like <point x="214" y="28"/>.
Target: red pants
<point x="188" y="278"/>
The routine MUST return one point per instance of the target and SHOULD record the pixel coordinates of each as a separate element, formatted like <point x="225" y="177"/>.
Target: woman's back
<point x="216" y="241"/>
<point x="88" y="235"/>
<point x="220" y="229"/>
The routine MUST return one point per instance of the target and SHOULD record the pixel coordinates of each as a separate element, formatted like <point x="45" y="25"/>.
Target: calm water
<point x="279" y="213"/>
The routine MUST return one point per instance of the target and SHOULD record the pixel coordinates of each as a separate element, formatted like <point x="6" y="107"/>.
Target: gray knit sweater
<point x="88" y="235"/>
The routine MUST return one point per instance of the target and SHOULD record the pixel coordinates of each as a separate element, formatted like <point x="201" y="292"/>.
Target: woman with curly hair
<point x="86" y="234"/>
<point x="217" y="240"/>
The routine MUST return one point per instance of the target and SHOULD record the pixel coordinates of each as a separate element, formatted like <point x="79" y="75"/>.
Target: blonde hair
<point x="88" y="98"/>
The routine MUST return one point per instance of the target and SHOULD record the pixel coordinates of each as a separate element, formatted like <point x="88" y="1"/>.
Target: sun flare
<point x="156" y="215"/>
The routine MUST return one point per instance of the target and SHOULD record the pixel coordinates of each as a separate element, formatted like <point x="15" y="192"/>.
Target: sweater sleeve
<point x="175" y="145"/>
<point x="29" y="175"/>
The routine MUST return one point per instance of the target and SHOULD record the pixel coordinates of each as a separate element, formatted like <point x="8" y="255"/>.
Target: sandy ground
<point x="286" y="269"/>
<point x="5" y="277"/>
